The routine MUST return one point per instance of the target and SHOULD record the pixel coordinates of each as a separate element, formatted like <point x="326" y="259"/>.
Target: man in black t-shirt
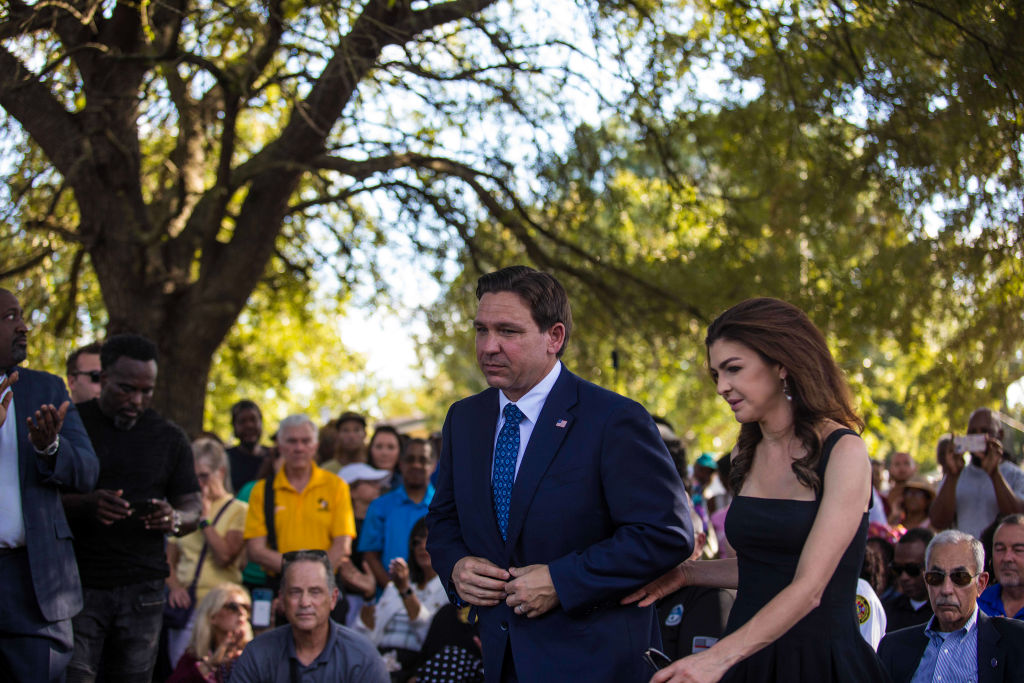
<point x="244" y="460"/>
<point x="147" y="488"/>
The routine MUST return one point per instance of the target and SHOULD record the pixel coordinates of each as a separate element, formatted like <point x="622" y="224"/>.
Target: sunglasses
<point x="238" y="607"/>
<point x="93" y="375"/>
<point x="960" y="577"/>
<point x="911" y="569"/>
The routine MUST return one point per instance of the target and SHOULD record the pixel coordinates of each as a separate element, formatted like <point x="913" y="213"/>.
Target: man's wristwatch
<point x="203" y="523"/>
<point x="407" y="592"/>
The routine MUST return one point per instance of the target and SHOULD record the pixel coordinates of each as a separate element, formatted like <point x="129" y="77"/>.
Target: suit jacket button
<point x="504" y="626"/>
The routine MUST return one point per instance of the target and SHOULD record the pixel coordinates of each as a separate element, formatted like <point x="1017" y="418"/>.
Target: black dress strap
<point x="826" y="448"/>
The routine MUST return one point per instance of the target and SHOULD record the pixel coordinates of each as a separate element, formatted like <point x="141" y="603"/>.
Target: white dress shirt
<point x="530" y="404"/>
<point x="12" y="523"/>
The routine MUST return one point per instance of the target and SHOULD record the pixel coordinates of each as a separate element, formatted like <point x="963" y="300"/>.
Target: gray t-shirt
<point x="348" y="656"/>
<point x="976" y="506"/>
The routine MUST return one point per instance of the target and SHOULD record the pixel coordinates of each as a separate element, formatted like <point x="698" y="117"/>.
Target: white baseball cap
<point x="360" y="471"/>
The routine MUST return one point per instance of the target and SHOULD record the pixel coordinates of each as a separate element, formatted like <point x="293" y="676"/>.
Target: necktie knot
<point x="513" y="414"/>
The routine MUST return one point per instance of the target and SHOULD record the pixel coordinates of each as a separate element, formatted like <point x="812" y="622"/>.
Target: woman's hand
<point x="703" y="667"/>
<point x="399" y="572"/>
<point x="179" y="597"/>
<point x="667" y="584"/>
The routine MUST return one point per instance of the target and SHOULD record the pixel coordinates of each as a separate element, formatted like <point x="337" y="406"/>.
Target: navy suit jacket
<point x="51" y="557"/>
<point x="1000" y="650"/>
<point x="597" y="499"/>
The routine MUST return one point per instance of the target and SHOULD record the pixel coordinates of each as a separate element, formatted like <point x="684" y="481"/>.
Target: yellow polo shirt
<point x="309" y="520"/>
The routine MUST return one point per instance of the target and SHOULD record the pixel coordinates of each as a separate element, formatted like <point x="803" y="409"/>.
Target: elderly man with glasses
<point x="960" y="642"/>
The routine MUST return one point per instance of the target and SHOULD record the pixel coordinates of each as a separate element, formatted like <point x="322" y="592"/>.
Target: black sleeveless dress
<point x="768" y="535"/>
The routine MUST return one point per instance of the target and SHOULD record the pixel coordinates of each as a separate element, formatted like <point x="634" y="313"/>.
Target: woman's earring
<point x="785" y="389"/>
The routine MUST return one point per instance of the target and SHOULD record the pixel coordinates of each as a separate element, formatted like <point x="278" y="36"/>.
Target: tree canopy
<point x="170" y="166"/>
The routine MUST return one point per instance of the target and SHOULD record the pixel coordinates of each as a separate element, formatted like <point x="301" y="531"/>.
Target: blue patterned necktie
<point x="506" y="452"/>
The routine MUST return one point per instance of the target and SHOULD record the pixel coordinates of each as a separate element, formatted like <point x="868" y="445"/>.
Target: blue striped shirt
<point x="950" y="657"/>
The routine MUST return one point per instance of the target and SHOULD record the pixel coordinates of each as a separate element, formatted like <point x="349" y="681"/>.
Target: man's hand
<point x="44" y="426"/>
<point x="993" y="455"/>
<point x="479" y="581"/>
<point x="531" y="593"/>
<point x="160" y="517"/>
<point x="110" y="506"/>
<point x="954" y="461"/>
<point x="8" y="382"/>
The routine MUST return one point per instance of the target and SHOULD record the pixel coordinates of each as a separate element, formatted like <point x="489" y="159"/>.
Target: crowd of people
<point x="552" y="528"/>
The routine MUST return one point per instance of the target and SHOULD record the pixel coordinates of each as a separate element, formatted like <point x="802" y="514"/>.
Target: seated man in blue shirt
<point x="311" y="647"/>
<point x="1006" y="597"/>
<point x="390" y="518"/>
<point x="959" y="643"/>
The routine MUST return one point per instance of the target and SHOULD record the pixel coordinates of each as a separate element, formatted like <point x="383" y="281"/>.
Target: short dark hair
<point x="244" y="404"/>
<point x="542" y="293"/>
<point x="134" y="346"/>
<point x="917" y="535"/>
<point x="420" y="442"/>
<point x="419" y="530"/>
<point x="1016" y="519"/>
<point x="72" y="364"/>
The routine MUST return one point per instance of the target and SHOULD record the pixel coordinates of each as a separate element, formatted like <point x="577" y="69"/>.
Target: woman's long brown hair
<point x="782" y="334"/>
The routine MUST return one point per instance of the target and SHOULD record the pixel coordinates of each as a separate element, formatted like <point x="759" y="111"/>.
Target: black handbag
<point x="177" y="617"/>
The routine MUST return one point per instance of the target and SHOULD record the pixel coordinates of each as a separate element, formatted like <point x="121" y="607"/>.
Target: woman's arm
<point x="847" y="487"/>
<point x="713" y="573"/>
<point x="224" y="549"/>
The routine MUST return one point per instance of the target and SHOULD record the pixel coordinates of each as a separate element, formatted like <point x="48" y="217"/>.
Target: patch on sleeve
<point x="675" y="616"/>
<point x="863" y="610"/>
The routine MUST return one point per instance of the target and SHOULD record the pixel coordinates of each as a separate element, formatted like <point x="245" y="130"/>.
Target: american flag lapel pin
<point x="561" y="424"/>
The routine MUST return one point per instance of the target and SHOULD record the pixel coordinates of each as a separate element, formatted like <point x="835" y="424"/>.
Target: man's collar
<point x="332" y="636"/>
<point x="532" y="402"/>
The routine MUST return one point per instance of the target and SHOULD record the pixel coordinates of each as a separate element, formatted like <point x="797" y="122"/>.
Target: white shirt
<point x="12" y="523"/>
<point x="870" y="614"/>
<point x="530" y="405"/>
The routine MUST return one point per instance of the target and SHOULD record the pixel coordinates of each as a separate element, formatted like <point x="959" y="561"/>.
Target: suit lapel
<point x="552" y="426"/>
<point x="991" y="658"/>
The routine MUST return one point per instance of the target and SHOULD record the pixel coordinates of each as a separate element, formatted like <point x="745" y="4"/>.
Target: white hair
<point x="954" y="537"/>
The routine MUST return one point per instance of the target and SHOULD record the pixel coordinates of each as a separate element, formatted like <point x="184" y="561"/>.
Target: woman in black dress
<point x="802" y="479"/>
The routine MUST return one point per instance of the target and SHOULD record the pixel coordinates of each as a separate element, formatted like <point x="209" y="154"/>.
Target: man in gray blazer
<point x="43" y="450"/>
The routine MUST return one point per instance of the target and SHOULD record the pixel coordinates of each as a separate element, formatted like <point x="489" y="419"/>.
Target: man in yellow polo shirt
<point x="312" y="507"/>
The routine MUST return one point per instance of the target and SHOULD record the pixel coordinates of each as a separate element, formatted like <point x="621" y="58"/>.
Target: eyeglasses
<point x="960" y="577"/>
<point x="656" y="658"/>
<point x="238" y="607"/>
<point x="93" y="375"/>
<point x="911" y="569"/>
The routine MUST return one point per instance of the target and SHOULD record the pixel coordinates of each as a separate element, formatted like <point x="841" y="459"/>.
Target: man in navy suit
<point x="43" y="450"/>
<point x="959" y="643"/>
<point x="544" y="526"/>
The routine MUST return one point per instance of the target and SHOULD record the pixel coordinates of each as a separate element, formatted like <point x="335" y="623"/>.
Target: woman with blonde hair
<point x="221" y="632"/>
<point x="209" y="556"/>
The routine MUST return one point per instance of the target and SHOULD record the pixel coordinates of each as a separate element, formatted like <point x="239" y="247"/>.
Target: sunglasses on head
<point x="960" y="577"/>
<point x="911" y="569"/>
<point x="93" y="375"/>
